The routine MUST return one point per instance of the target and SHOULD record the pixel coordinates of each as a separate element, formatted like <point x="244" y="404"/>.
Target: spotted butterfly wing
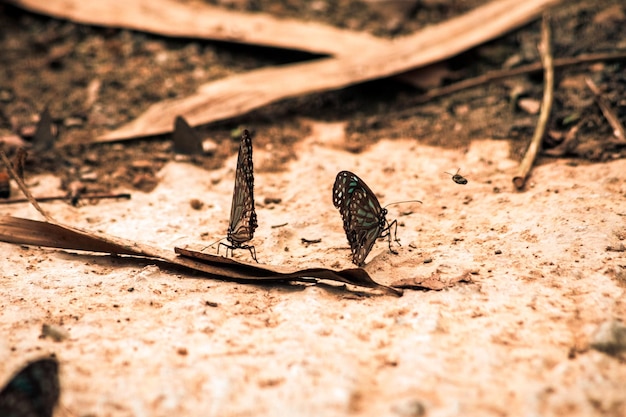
<point x="243" y="220"/>
<point x="33" y="391"/>
<point x="364" y="220"/>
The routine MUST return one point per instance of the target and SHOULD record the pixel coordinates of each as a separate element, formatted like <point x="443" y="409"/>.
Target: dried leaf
<point x="353" y="276"/>
<point x="44" y="139"/>
<point x="37" y="233"/>
<point x="51" y="234"/>
<point x="239" y="94"/>
<point x="204" y="21"/>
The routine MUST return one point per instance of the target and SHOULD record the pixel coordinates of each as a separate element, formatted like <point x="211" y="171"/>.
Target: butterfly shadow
<point x="116" y="261"/>
<point x="344" y="292"/>
<point x="380" y="256"/>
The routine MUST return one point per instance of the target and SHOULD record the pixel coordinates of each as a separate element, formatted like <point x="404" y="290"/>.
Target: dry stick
<point x="545" y="50"/>
<point x="500" y="74"/>
<point x="65" y="197"/>
<point x="607" y="111"/>
<point x="568" y="144"/>
<point x="20" y="183"/>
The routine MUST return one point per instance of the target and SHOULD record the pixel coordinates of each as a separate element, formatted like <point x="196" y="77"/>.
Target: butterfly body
<point x="364" y="220"/>
<point x="243" y="220"/>
<point x="33" y="391"/>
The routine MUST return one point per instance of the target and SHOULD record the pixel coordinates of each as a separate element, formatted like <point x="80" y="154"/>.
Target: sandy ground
<point x="145" y="341"/>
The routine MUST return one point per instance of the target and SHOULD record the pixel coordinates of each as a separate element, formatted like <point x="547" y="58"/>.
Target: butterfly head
<point x="382" y="220"/>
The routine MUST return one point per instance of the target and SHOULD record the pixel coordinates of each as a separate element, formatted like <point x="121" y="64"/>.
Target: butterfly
<point x="243" y="220"/>
<point x="44" y="136"/>
<point x="364" y="220"/>
<point x="186" y="141"/>
<point x="459" y="179"/>
<point x="33" y="391"/>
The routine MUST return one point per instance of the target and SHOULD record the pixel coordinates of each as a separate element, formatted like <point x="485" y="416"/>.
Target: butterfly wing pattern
<point x="364" y="220"/>
<point x="33" y="391"/>
<point x="243" y="219"/>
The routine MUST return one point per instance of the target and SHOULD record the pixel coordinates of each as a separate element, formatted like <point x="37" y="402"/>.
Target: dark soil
<point x="48" y="63"/>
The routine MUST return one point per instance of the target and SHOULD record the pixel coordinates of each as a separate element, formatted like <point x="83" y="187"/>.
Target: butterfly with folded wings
<point x="243" y="219"/>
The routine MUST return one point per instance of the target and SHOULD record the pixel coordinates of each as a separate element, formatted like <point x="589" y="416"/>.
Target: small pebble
<point x="196" y="204"/>
<point x="56" y="333"/>
<point x="272" y="200"/>
<point x="73" y="122"/>
<point x="6" y="96"/>
<point x="411" y="408"/>
<point x="529" y="105"/>
<point x="142" y="163"/>
<point x="610" y="338"/>
<point x="90" y="176"/>
<point x="209" y="147"/>
<point x="27" y="131"/>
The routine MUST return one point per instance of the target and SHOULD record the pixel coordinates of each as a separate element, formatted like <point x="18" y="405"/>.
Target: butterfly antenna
<point x="177" y="239"/>
<point x="402" y="202"/>
<point x="208" y="246"/>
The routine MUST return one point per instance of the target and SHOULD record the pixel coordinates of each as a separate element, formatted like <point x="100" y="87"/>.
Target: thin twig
<point x="65" y="197"/>
<point x="545" y="49"/>
<point x="499" y="75"/>
<point x="23" y="187"/>
<point x="20" y="160"/>
<point x="568" y="145"/>
<point x="513" y="72"/>
<point x="607" y="111"/>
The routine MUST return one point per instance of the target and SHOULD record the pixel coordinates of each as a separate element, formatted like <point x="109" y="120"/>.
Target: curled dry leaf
<point x="204" y="21"/>
<point x="52" y="234"/>
<point x="239" y="94"/>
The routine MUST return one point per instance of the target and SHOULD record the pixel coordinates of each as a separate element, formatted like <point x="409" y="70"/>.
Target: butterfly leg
<point x="252" y="250"/>
<point x="394" y="225"/>
<point x="232" y="248"/>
